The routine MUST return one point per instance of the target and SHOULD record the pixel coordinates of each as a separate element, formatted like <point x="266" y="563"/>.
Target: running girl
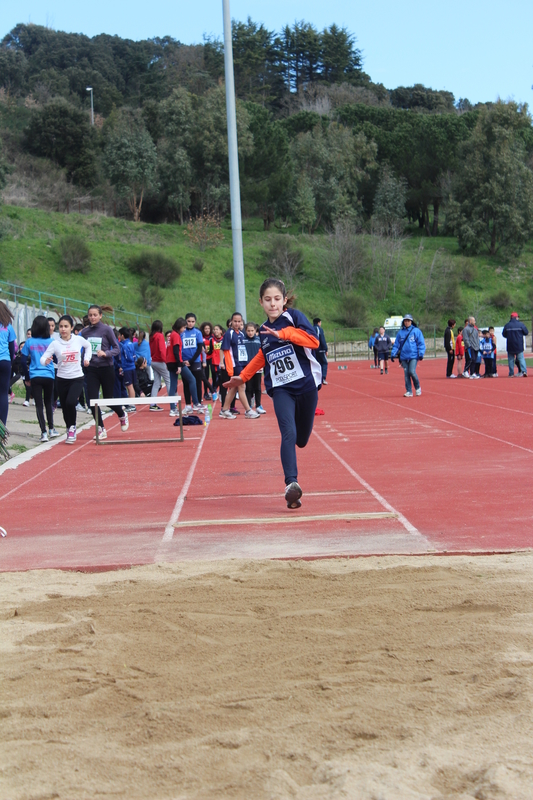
<point x="67" y="350"/>
<point x="292" y="376"/>
<point x="101" y="372"/>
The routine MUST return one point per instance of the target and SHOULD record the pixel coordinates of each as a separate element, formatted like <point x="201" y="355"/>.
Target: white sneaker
<point x="102" y="434"/>
<point x="226" y="415"/>
<point x="32" y="402"/>
<point x="53" y="434"/>
<point x="252" y="414"/>
<point x="199" y="409"/>
<point x="79" y="407"/>
<point x="408" y="394"/>
<point x="44" y="437"/>
<point x="124" y="422"/>
<point x="26" y="403"/>
<point x="452" y="376"/>
<point x="418" y="392"/>
<point x="187" y="409"/>
<point x="261" y="410"/>
<point x="173" y="412"/>
<point x="466" y="374"/>
<point x="88" y="410"/>
<point x="71" y="435"/>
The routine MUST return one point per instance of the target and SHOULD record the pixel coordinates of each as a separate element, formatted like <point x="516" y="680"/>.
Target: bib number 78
<point x="282" y="365"/>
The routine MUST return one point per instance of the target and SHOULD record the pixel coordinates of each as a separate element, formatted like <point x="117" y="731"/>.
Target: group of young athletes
<point x="67" y="365"/>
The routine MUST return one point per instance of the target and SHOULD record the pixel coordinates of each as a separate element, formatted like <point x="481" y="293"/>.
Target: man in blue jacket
<point x="409" y="348"/>
<point x="514" y="332"/>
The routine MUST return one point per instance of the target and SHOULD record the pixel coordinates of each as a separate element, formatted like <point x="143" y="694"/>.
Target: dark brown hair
<point x="6" y="317"/>
<point x="288" y="298"/>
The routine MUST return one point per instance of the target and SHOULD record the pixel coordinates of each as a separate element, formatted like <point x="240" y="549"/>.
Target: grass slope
<point x="29" y="256"/>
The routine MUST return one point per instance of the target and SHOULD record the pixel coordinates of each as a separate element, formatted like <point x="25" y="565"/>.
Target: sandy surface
<point x="374" y="679"/>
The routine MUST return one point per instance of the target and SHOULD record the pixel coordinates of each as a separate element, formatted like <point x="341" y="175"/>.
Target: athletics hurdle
<point x="137" y="401"/>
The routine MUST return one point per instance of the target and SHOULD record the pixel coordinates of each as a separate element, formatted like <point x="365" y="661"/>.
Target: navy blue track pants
<point x="295" y="415"/>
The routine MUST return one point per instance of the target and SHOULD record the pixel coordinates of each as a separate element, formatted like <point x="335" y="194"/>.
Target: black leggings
<point x="68" y="390"/>
<point x="5" y="375"/>
<point x="43" y="387"/>
<point x="253" y="389"/>
<point x="295" y="415"/>
<point x="101" y="377"/>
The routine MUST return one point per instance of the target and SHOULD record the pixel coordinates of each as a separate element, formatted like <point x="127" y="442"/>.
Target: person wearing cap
<point x="409" y="348"/>
<point x="514" y="332"/>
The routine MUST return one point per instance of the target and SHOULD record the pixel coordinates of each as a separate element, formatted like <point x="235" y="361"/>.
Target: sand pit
<point x="374" y="679"/>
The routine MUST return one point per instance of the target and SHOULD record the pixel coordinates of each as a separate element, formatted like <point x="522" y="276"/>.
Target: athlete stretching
<point x="292" y="375"/>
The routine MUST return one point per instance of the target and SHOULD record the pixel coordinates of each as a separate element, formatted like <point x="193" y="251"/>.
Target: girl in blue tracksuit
<point x="292" y="376"/>
<point x="409" y="348"/>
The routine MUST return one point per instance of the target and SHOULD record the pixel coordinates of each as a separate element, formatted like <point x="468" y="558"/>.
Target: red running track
<point x="382" y="474"/>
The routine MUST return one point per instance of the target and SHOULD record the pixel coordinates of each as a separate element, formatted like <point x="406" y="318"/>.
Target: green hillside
<point x="433" y="279"/>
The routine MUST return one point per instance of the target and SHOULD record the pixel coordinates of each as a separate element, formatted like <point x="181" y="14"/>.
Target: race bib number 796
<point x="284" y="366"/>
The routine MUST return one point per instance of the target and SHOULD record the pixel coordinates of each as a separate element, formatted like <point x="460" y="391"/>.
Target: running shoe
<point x="88" y="410"/>
<point x="44" y="437"/>
<point x="155" y="408"/>
<point x="53" y="434"/>
<point x="324" y="383"/>
<point x="226" y="415"/>
<point x="130" y="409"/>
<point x="79" y="407"/>
<point x="71" y="435"/>
<point x="251" y="414"/>
<point x="234" y="411"/>
<point x="102" y="434"/>
<point x="386" y="372"/>
<point x="293" y="494"/>
<point x="380" y="372"/>
<point x="173" y="412"/>
<point x="452" y="376"/>
<point x="199" y="409"/>
<point x="32" y="402"/>
<point x="408" y="394"/>
<point x="124" y="422"/>
<point x="418" y="392"/>
<point x="214" y="396"/>
<point x="11" y="396"/>
<point x="26" y="403"/>
<point x="208" y="396"/>
<point x="187" y="409"/>
<point x="260" y="410"/>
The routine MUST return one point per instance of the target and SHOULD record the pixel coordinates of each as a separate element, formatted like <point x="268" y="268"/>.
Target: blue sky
<point x="479" y="50"/>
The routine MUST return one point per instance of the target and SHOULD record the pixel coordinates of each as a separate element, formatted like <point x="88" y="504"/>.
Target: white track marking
<point x="405" y="522"/>
<point x="70" y="453"/>
<point x="169" y="530"/>
<point x="439" y="419"/>
<point x="480" y="402"/>
<point x="307" y="494"/>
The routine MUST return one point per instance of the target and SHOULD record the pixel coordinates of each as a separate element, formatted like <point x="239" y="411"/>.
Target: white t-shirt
<point x="68" y="354"/>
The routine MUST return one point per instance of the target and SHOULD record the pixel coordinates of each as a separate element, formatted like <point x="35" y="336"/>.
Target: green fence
<point x="351" y="344"/>
<point x="44" y="301"/>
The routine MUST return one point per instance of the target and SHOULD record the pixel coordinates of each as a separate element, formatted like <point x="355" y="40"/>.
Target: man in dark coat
<point x="514" y="332"/>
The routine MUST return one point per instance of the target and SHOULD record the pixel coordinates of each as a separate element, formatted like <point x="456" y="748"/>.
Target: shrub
<point x="283" y="259"/>
<point x="204" y="231"/>
<point x="501" y="300"/>
<point x="229" y="275"/>
<point x="151" y="296"/>
<point x="156" y="267"/>
<point x="75" y="253"/>
<point x="198" y="265"/>
<point x="353" y="310"/>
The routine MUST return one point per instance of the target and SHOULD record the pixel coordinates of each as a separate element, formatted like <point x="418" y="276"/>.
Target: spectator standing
<point x="252" y="342"/>
<point x="321" y="354"/>
<point x="7" y="354"/>
<point x="514" y="332"/>
<point x="371" y="343"/>
<point x="383" y="344"/>
<point x="459" y="352"/>
<point x="449" y="346"/>
<point x="158" y="351"/>
<point x="409" y="347"/>
<point x="495" y="353"/>
<point x="41" y="377"/>
<point x="471" y="344"/>
<point x="486" y="349"/>
<point x="191" y="352"/>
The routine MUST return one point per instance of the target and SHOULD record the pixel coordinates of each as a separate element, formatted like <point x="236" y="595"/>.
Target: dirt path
<point x="374" y="679"/>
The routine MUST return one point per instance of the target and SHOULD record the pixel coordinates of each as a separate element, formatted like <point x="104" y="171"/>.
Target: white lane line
<point x="479" y="402"/>
<point x="405" y="522"/>
<point x="70" y="453"/>
<point x="169" y="530"/>
<point x="439" y="419"/>
<point x="274" y="496"/>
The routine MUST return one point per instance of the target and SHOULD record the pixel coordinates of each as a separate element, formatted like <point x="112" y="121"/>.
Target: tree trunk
<point x="426" y="221"/>
<point x="420" y="219"/>
<point x="493" y="239"/>
<point x="435" y="229"/>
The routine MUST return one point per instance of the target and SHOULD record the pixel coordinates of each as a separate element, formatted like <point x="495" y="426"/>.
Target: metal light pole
<point x="90" y="89"/>
<point x="234" y="185"/>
